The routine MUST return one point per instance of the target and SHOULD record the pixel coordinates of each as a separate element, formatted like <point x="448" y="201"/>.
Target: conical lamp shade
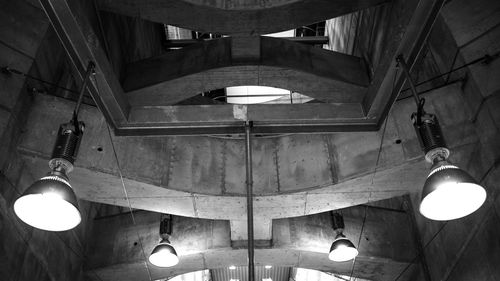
<point x="450" y="193"/>
<point x="342" y="249"/>
<point x="164" y="255"/>
<point x="49" y="204"/>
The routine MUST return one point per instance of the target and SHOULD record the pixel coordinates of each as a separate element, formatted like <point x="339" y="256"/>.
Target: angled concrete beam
<point x="70" y="20"/>
<point x="236" y="17"/>
<point x="321" y="74"/>
<point x="106" y="188"/>
<point x="410" y="24"/>
<point x="297" y="242"/>
<point x="175" y="90"/>
<point x="294" y="175"/>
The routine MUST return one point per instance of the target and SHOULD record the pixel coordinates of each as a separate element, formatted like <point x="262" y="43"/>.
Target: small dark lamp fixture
<point x="342" y="249"/>
<point x="164" y="254"/>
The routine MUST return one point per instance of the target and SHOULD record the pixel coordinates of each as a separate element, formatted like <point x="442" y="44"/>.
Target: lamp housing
<point x="164" y="254"/>
<point x="50" y="203"/>
<point x="428" y="132"/>
<point x="68" y="141"/>
<point x="342" y="249"/>
<point x="449" y="192"/>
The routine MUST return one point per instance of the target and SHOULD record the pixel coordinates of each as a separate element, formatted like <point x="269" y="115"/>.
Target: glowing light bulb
<point x="49" y="204"/>
<point x="164" y="255"/>
<point x="450" y="193"/>
<point x="342" y="250"/>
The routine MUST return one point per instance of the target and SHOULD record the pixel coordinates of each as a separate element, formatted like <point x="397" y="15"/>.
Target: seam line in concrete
<point x="223" y="167"/>
<point x="277" y="164"/>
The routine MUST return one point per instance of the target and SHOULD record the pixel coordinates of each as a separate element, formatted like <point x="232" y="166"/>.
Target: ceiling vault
<point x="234" y="61"/>
<point x="248" y="140"/>
<point x="259" y="17"/>
<point x="350" y="99"/>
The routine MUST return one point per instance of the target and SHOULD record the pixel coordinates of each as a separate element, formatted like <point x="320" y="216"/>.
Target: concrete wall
<point x="469" y="248"/>
<point x="27" y="253"/>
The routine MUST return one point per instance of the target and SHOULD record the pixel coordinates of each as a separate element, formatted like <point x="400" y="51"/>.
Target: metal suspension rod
<point x="249" y="182"/>
<point x="86" y="78"/>
<point x="402" y="62"/>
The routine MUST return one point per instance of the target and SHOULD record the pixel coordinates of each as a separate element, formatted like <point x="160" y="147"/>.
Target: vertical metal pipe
<point x="402" y="62"/>
<point x="249" y="182"/>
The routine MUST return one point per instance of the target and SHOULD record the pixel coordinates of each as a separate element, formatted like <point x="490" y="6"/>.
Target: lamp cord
<point x="359" y="243"/>
<point x="366" y="206"/>
<point x="125" y="191"/>
<point x="379" y="153"/>
<point x="7" y="70"/>
<point x="128" y="203"/>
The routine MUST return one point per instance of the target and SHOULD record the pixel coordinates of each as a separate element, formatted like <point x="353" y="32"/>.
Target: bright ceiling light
<point x="49" y="204"/>
<point x="450" y="193"/>
<point x="267" y="279"/>
<point x="268" y="266"/>
<point x="342" y="249"/>
<point x="164" y="255"/>
<point x="232" y="267"/>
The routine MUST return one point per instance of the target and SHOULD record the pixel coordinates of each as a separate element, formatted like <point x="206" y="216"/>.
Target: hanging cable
<point x="8" y="70"/>
<point x="359" y="242"/>
<point x="373" y="178"/>
<point x="366" y="206"/>
<point x="129" y="205"/>
<point x="486" y="59"/>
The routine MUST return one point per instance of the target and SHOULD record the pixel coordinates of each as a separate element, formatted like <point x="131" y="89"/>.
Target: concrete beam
<point x="293" y="175"/>
<point x="237" y="61"/>
<point x="70" y="20"/>
<point x="409" y="26"/>
<point x="106" y="188"/>
<point x="236" y="17"/>
<point x="297" y="242"/>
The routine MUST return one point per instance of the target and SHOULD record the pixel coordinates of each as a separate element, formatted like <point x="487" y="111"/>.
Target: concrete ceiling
<point x="202" y="177"/>
<point x="298" y="178"/>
